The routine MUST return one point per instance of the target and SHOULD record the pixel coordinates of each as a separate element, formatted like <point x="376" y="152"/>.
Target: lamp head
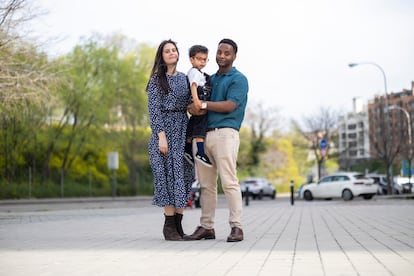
<point x="353" y="64"/>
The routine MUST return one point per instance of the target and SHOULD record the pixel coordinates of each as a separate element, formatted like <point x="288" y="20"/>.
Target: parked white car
<point x="258" y="187"/>
<point x="345" y="185"/>
<point x="405" y="184"/>
<point x="381" y="180"/>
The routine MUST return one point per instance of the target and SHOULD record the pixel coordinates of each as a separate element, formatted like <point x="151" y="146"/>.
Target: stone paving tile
<point x="360" y="237"/>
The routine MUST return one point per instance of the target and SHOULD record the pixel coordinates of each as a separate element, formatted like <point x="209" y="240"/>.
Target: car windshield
<point x="376" y="179"/>
<point x="360" y="176"/>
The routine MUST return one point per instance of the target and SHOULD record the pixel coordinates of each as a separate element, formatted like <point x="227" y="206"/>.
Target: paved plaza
<point x="124" y="237"/>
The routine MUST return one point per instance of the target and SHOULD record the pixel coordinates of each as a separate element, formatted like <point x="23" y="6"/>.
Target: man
<point x="225" y="115"/>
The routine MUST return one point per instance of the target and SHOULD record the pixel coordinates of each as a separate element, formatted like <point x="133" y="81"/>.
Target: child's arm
<point x="194" y="94"/>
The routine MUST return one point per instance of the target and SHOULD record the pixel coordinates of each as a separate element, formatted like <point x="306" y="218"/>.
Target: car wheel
<point x="260" y="194"/>
<point x="347" y="195"/>
<point x="307" y="195"/>
<point x="367" y="196"/>
<point x="273" y="196"/>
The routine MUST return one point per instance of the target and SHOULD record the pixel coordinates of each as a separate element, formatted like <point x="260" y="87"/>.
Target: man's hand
<point x="193" y="110"/>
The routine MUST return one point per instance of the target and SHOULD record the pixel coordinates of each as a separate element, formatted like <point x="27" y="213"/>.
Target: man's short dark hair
<point x="197" y="49"/>
<point x="230" y="42"/>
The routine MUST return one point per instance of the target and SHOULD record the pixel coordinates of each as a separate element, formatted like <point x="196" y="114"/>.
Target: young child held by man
<point x="200" y="91"/>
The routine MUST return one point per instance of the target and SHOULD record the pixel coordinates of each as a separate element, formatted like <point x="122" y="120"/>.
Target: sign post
<point x="408" y="170"/>
<point x="113" y="165"/>
<point x="323" y="146"/>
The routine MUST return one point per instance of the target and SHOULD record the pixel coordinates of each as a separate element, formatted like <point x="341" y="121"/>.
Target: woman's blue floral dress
<point x="172" y="175"/>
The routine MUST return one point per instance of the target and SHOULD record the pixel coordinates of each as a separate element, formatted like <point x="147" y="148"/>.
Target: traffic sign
<point x="405" y="169"/>
<point x="323" y="144"/>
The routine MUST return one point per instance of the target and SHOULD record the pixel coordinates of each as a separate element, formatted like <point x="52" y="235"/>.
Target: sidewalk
<point x="359" y="237"/>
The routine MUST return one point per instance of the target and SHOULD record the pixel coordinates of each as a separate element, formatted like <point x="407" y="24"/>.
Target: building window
<point x="351" y="127"/>
<point x="352" y="144"/>
<point x="352" y="135"/>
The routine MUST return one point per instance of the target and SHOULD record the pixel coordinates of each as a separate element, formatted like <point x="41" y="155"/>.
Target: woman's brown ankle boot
<point x="170" y="229"/>
<point x="178" y="219"/>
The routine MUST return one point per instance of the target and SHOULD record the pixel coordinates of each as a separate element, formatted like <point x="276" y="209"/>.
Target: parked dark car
<point x="194" y="198"/>
<point x="258" y="188"/>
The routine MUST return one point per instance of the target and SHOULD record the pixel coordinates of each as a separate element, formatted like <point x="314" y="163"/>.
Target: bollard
<point x="292" y="195"/>
<point x="246" y="195"/>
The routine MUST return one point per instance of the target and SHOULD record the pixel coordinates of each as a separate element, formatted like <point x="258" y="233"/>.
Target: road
<point x="124" y="237"/>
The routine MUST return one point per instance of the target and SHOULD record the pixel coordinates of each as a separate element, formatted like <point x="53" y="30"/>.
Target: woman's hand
<point x="162" y="143"/>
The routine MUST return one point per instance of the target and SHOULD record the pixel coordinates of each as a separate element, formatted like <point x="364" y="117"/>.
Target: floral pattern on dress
<point x="172" y="175"/>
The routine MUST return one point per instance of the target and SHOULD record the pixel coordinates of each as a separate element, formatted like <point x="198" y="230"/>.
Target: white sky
<point x="295" y="53"/>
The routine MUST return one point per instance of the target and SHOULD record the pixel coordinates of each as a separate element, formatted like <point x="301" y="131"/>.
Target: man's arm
<point x="221" y="107"/>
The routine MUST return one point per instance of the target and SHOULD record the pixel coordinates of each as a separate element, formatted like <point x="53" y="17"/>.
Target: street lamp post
<point x="410" y="148"/>
<point x="351" y="65"/>
<point x="383" y="74"/>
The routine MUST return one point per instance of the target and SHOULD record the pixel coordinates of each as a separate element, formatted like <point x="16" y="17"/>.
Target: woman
<point x="168" y="97"/>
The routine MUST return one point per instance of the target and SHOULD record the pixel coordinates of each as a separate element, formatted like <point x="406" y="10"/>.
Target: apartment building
<point x="369" y="129"/>
<point x="353" y="136"/>
<point x="392" y="126"/>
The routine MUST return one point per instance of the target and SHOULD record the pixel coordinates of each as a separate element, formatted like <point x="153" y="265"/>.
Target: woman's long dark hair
<point x="160" y="68"/>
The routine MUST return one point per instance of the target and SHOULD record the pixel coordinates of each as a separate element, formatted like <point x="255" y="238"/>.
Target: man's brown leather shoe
<point x="236" y="235"/>
<point x="201" y="233"/>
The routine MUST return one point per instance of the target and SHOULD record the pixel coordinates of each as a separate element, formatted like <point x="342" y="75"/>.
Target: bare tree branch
<point x="315" y="127"/>
<point x="25" y="74"/>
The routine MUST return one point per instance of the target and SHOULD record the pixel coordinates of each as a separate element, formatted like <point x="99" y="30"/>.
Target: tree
<point x="26" y="79"/>
<point x="25" y="74"/>
<point x="104" y="86"/>
<point x="384" y="143"/>
<point x="281" y="165"/>
<point x="260" y="122"/>
<point x="316" y="127"/>
<point x="301" y="153"/>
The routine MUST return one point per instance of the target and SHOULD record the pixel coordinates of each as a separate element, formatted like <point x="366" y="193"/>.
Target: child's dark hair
<point x="230" y="42"/>
<point x="197" y="49"/>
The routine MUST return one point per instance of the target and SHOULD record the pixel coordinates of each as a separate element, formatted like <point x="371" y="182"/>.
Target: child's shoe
<point x="204" y="160"/>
